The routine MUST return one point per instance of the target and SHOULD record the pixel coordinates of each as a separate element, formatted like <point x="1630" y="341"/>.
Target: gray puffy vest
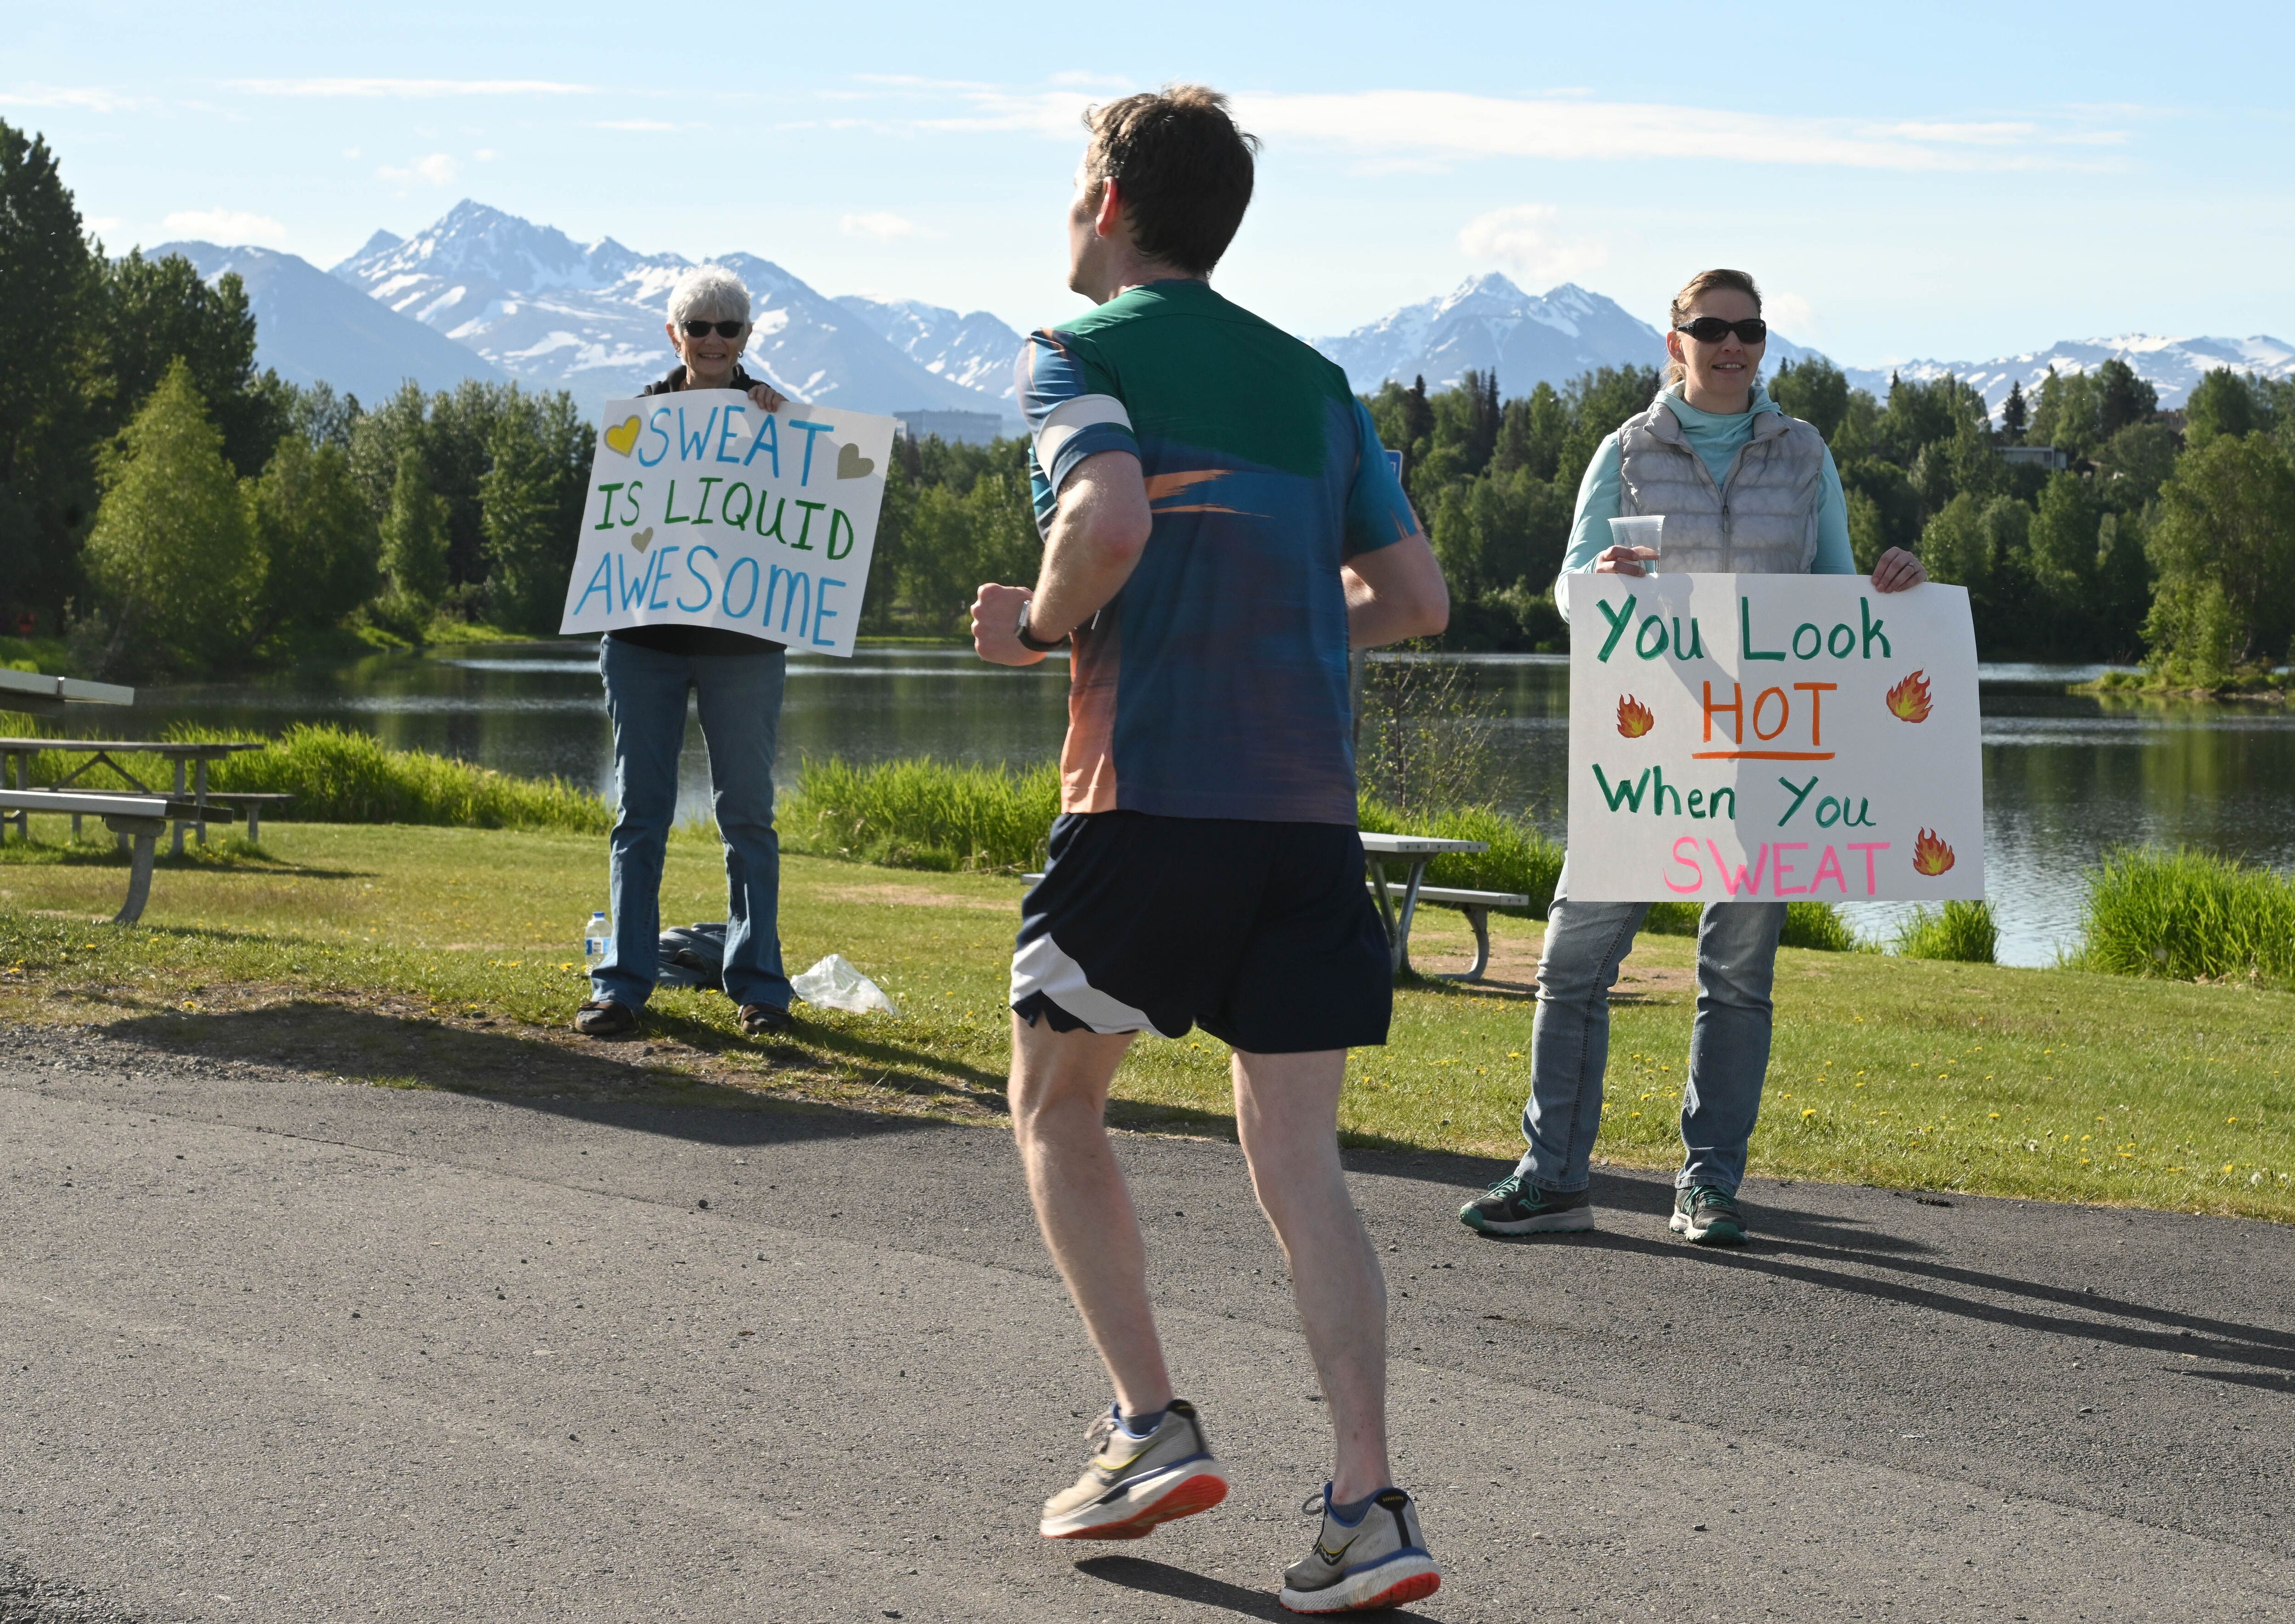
<point x="1761" y="520"/>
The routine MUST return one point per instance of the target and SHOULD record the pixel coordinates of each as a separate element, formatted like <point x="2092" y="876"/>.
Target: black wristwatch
<point x="1034" y="645"/>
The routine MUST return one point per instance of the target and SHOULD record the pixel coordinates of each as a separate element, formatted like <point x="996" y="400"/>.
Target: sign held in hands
<point x="1772" y="737"/>
<point x="707" y="511"/>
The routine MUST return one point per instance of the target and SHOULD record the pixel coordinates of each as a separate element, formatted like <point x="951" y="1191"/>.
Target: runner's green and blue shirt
<point x="1215" y="685"/>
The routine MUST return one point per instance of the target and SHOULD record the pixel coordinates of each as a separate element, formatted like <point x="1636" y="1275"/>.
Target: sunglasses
<point x="1713" y="330"/>
<point x="725" y="329"/>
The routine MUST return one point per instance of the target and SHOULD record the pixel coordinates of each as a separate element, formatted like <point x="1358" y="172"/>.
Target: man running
<point x="1220" y="526"/>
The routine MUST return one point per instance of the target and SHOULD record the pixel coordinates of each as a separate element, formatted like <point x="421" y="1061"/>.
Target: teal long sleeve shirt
<point x="1716" y="437"/>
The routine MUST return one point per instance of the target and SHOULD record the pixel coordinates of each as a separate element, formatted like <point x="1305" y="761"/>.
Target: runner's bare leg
<point x="1059" y="1105"/>
<point x="1287" y="1110"/>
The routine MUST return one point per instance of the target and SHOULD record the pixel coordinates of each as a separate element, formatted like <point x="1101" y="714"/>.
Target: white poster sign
<point x="706" y="511"/>
<point x="1774" y="737"/>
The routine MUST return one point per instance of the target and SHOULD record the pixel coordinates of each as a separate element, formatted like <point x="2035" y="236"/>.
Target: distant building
<point x="2049" y="457"/>
<point x="969" y="428"/>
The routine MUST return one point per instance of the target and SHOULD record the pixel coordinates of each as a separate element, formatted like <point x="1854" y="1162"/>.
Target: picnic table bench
<point x="190" y="761"/>
<point x="138" y="817"/>
<point x="1397" y="911"/>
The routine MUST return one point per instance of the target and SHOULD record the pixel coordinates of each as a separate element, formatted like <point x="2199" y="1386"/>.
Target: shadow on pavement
<point x="395" y="1051"/>
<point x="2215" y="1339"/>
<point x="1161" y="1578"/>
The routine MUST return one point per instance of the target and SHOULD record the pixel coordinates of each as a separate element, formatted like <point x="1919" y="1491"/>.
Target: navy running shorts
<point x="1262" y="933"/>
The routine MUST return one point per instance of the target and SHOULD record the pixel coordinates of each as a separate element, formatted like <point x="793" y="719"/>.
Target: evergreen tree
<point x="2014" y="415"/>
<point x="1816" y="391"/>
<point x="50" y="278"/>
<point x="2122" y="398"/>
<point x="531" y="498"/>
<point x="413" y="545"/>
<point x="172" y="552"/>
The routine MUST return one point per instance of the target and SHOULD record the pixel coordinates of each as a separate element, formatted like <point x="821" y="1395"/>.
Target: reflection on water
<point x="2065" y="779"/>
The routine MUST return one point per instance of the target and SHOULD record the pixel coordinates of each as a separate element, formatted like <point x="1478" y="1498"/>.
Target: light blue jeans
<point x="739" y="699"/>
<point x="1569" y="1038"/>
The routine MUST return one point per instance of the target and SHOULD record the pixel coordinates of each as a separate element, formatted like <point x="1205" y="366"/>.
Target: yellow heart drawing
<point x="851" y="465"/>
<point x="622" y="435"/>
<point x="643" y="539"/>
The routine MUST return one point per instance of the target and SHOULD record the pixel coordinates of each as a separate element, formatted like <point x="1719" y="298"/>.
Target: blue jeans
<point x="1570" y="1039"/>
<point x="739" y="698"/>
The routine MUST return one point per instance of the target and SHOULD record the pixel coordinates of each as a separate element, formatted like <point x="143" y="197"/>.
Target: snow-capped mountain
<point x="555" y="313"/>
<point x="1491" y="325"/>
<point x="2169" y="365"/>
<point x="977" y="350"/>
<point x="309" y="327"/>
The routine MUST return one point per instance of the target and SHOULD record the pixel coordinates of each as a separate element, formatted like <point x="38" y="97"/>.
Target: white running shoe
<point x="1134" y="1483"/>
<point x="1379" y="1562"/>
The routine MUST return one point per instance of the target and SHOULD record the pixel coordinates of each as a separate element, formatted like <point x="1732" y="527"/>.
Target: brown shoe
<point x="766" y="1020"/>
<point x="601" y="1018"/>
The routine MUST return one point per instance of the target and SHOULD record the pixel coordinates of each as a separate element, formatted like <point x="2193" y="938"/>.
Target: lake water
<point x="2065" y="779"/>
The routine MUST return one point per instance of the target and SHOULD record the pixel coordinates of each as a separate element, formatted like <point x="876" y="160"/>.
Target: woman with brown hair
<point x="1743" y="489"/>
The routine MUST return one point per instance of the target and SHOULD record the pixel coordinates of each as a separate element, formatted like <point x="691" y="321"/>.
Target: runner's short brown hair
<point x="1183" y="168"/>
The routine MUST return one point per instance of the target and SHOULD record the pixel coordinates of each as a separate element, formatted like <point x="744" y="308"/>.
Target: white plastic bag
<point x="835" y="984"/>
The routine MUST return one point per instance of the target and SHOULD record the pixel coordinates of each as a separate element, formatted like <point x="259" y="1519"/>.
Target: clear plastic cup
<point x="1642" y="531"/>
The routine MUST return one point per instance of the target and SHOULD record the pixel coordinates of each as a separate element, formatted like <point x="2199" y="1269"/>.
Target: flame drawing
<point x="1634" y="718"/>
<point x="1908" y="700"/>
<point x="1930" y="855"/>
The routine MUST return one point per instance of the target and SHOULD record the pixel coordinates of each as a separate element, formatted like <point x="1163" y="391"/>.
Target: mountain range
<point x="481" y="293"/>
<point x="1489" y="325"/>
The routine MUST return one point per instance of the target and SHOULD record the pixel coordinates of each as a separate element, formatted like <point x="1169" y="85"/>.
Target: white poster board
<point x="706" y="511"/>
<point x="1773" y="736"/>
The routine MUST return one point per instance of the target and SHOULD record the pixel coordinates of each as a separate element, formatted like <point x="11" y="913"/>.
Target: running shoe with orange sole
<point x="1134" y="1483"/>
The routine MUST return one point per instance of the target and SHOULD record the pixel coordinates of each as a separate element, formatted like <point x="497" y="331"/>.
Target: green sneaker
<point x="1514" y="1205"/>
<point x="1708" y="1216"/>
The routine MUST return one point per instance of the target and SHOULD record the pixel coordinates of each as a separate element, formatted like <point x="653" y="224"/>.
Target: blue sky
<point x="1947" y="181"/>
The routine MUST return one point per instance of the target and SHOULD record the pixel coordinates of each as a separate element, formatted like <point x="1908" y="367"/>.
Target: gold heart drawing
<point x="643" y="539"/>
<point x="622" y="436"/>
<point x="851" y="465"/>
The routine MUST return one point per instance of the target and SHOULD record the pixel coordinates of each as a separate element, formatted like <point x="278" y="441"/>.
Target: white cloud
<point x="883" y="226"/>
<point x="485" y="155"/>
<point x="230" y="226"/>
<point x="92" y="98"/>
<point x="632" y="124"/>
<point x="419" y="89"/>
<point x="1793" y="315"/>
<point x="100" y="225"/>
<point x="351" y="153"/>
<point x="439" y="168"/>
<point x="1523" y="239"/>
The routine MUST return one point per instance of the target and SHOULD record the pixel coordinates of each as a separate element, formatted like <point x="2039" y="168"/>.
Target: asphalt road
<point x="276" y="1347"/>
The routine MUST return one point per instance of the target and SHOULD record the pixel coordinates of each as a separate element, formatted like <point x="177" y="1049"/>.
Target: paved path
<point x="277" y="1348"/>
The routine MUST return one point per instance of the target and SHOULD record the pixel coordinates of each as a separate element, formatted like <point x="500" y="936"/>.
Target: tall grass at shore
<point x="338" y="776"/>
<point x="2188" y="916"/>
<point x="922" y="814"/>
<point x="1961" y="933"/>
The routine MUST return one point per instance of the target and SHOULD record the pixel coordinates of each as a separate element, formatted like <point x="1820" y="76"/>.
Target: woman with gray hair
<point x="736" y="681"/>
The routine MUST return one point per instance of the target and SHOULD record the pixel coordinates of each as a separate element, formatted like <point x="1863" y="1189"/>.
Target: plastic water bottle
<point x="595" y="935"/>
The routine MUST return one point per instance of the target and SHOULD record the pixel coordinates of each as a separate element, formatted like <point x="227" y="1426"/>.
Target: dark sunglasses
<point x="729" y="329"/>
<point x="1713" y="330"/>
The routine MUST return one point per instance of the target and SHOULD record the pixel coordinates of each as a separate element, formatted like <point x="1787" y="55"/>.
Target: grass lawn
<point x="446" y="957"/>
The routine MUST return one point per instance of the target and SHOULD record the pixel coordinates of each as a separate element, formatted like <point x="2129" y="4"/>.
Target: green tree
<point x="2122" y="398"/>
<point x="2222" y="402"/>
<point x="531" y="499"/>
<point x="2136" y="461"/>
<point x="158" y="312"/>
<point x="1816" y="391"/>
<point x="414" y="546"/>
<point x="2223" y="550"/>
<point x="1530" y="431"/>
<point x="316" y="533"/>
<point x="2014" y="415"/>
<point x="172" y="552"/>
<point x="51" y="278"/>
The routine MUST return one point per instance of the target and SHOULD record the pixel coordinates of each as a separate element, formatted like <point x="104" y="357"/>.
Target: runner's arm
<point x="1395" y="593"/>
<point x="1098" y="533"/>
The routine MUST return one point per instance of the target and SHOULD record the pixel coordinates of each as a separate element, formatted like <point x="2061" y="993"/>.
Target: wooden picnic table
<point x="1413" y="852"/>
<point x="190" y="760"/>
